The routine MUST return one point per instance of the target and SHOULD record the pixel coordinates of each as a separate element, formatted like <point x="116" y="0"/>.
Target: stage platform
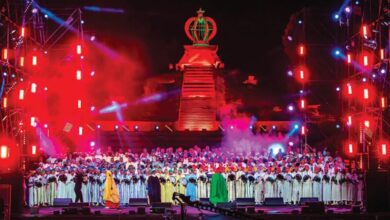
<point x="268" y="213"/>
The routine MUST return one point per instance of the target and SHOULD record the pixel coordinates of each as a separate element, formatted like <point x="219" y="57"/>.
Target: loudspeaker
<point x="159" y="207"/>
<point x="62" y="202"/>
<point x="377" y="193"/>
<point x="305" y="200"/>
<point x="138" y="202"/>
<point x="141" y="210"/>
<point x="314" y="208"/>
<point x="225" y="205"/>
<point x="34" y="210"/>
<point x="273" y="201"/>
<point x="79" y="204"/>
<point x="15" y="179"/>
<point x="245" y="202"/>
<point x="204" y="200"/>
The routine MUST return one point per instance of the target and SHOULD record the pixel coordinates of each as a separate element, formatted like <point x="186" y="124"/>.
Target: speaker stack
<point x="377" y="191"/>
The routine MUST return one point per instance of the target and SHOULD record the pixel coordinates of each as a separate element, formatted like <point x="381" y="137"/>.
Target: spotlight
<point x="157" y="128"/>
<point x="374" y="75"/>
<point x="273" y="127"/>
<point x="45" y="88"/>
<point x="92" y="108"/>
<point x="13" y="75"/>
<point x="336" y="16"/>
<point x="364" y="79"/>
<point x="301" y="91"/>
<point x="82" y="21"/>
<point x="347" y="9"/>
<point x="92" y="144"/>
<point x="290" y="143"/>
<point x="383" y="71"/>
<point x="46" y="16"/>
<point x="289" y="73"/>
<point x="116" y="127"/>
<point x="231" y="127"/>
<point x="250" y="127"/>
<point x="289" y="38"/>
<point x="357" y="2"/>
<point x="92" y="73"/>
<point x="34" y="10"/>
<point x="338" y="89"/>
<point x="136" y="127"/>
<point x="92" y="38"/>
<point x="4" y="74"/>
<point x="45" y="125"/>
<point x="336" y="52"/>
<point x="296" y="126"/>
<point x="337" y="126"/>
<point x="300" y="21"/>
<point x="98" y="126"/>
<point x="290" y="108"/>
<point x="45" y="52"/>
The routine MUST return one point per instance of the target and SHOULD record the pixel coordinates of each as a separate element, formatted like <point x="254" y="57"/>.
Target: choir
<point x="258" y="175"/>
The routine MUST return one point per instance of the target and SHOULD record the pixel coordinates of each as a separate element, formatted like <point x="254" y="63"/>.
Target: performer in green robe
<point x="218" y="189"/>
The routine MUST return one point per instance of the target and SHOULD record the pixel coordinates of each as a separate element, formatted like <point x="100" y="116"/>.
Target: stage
<point x="261" y="212"/>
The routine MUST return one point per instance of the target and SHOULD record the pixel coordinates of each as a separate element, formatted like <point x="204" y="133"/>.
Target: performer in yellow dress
<point x="111" y="194"/>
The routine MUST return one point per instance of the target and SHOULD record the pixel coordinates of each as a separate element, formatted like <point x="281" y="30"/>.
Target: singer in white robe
<point x="296" y="187"/>
<point x="287" y="188"/>
<point x="259" y="188"/>
<point x="317" y="186"/>
<point x="326" y="188"/>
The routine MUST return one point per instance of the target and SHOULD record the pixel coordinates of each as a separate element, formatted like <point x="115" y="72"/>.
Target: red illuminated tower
<point x="199" y="65"/>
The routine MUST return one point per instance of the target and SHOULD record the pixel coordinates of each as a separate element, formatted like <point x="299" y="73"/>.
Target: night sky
<point x="249" y="39"/>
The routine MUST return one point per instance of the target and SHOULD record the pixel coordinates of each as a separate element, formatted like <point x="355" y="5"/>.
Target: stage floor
<point x="272" y="213"/>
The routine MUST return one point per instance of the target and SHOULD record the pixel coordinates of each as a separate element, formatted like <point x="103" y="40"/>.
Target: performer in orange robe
<point x="111" y="194"/>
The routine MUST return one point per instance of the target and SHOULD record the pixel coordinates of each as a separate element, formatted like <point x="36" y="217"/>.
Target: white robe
<point x="317" y="187"/>
<point x="296" y="189"/>
<point x="259" y="188"/>
<point x="61" y="189"/>
<point x="287" y="188"/>
<point x="31" y="191"/>
<point x="307" y="186"/>
<point x="269" y="190"/>
<point x="326" y="190"/>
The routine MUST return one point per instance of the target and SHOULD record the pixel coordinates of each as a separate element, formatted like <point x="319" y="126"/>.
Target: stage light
<point x="337" y="52"/>
<point x="290" y="73"/>
<point x="301" y="91"/>
<point x="78" y="49"/>
<point x="21" y="79"/>
<point x="374" y="75"/>
<point x="290" y="108"/>
<point x="13" y="75"/>
<point x="33" y="87"/>
<point x="364" y="31"/>
<point x="92" y="108"/>
<point x="33" y="122"/>
<point x="45" y="126"/>
<point x="5" y="102"/>
<point x="349" y="120"/>
<point x="364" y="79"/>
<point x="301" y="75"/>
<point x="46" y="16"/>
<point x="5" y="74"/>
<point x="303" y="130"/>
<point x="92" y="38"/>
<point x="78" y="74"/>
<point x="338" y="89"/>
<point x="300" y="21"/>
<point x="136" y="127"/>
<point x="250" y="127"/>
<point x="366" y="123"/>
<point x="34" y="150"/>
<point x="357" y="2"/>
<point x="347" y="10"/>
<point x="383" y="102"/>
<point x="273" y="127"/>
<point x="92" y="144"/>
<point x="22" y="31"/>
<point x="82" y="22"/>
<point x="92" y="73"/>
<point x="82" y="57"/>
<point x="45" y="52"/>
<point x="336" y="17"/>
<point x="21" y="94"/>
<point x="296" y="126"/>
<point x="79" y="104"/>
<point x="5" y="54"/>
<point x="349" y="58"/>
<point x="80" y="130"/>
<point x="157" y="128"/>
<point x="289" y="38"/>
<point x="337" y="126"/>
<point x="4" y="152"/>
<point x="350" y="148"/>
<point x="290" y="143"/>
<point x="116" y="127"/>
<point x="98" y="126"/>
<point x="365" y="93"/>
<point x="302" y="103"/>
<point x="45" y="88"/>
<point x="34" y="60"/>
<point x="382" y="54"/>
<point x="383" y="71"/>
<point x="21" y="61"/>
<point x="301" y="50"/>
<point x="34" y="10"/>
<point x="383" y="149"/>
